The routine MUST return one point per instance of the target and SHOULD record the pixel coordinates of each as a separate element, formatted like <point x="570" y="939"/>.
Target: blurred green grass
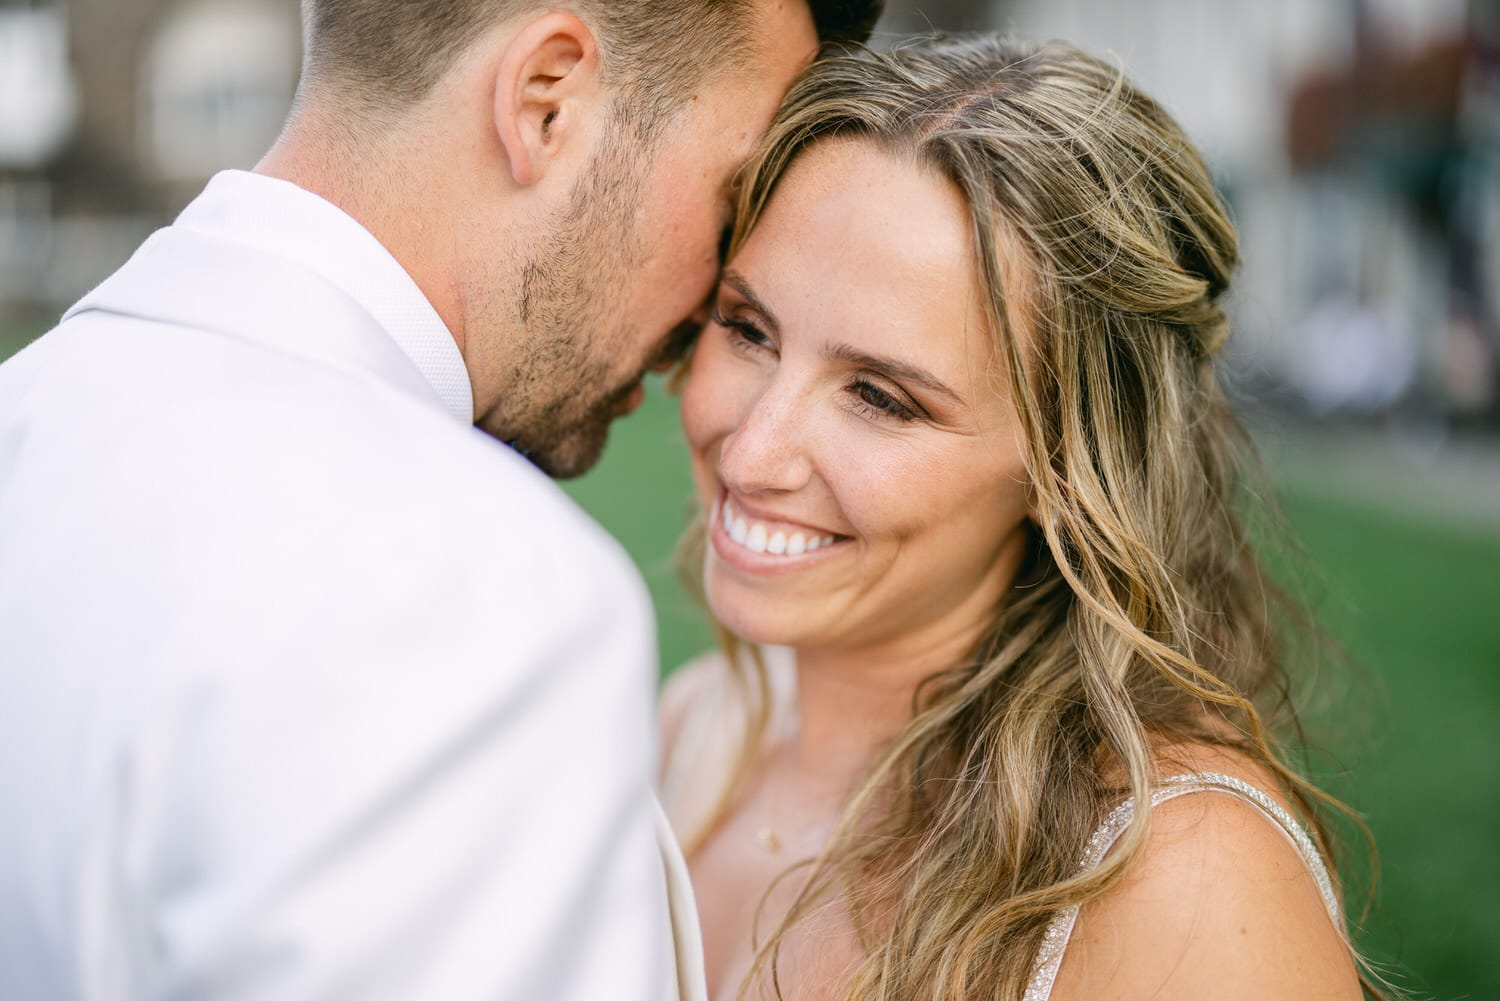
<point x="1408" y="735"/>
<point x="16" y="335"/>
<point x="1417" y="606"/>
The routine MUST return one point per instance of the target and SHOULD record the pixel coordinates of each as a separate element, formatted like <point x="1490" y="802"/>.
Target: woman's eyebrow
<point x="898" y="370"/>
<point x="737" y="281"/>
<point x="846" y="353"/>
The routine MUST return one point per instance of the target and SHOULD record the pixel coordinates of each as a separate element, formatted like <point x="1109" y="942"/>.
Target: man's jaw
<point x="578" y="449"/>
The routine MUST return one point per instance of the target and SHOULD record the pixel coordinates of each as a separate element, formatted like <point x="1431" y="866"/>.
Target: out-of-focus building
<point x="1358" y="143"/>
<point x="114" y="112"/>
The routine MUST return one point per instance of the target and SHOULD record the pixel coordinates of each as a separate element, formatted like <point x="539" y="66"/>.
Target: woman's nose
<point x="767" y="450"/>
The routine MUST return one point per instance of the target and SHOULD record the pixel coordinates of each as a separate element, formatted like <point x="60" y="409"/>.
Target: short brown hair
<point x="387" y="54"/>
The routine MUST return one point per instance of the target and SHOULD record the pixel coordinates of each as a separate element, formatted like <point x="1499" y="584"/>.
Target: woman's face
<point x="851" y="435"/>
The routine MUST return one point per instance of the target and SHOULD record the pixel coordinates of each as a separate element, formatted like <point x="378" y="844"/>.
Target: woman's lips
<point x="762" y="545"/>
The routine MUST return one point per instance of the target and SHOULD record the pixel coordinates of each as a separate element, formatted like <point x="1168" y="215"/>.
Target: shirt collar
<point x="277" y="217"/>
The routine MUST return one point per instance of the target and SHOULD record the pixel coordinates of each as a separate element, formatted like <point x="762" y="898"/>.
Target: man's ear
<point x="548" y="71"/>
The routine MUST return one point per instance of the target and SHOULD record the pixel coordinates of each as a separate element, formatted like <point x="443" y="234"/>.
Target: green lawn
<point x="1417" y="606"/>
<point x="1409" y="726"/>
<point x="14" y="337"/>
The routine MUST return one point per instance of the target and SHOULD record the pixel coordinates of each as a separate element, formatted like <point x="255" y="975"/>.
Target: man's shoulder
<point x="214" y="434"/>
<point x="366" y="462"/>
<point x="253" y="520"/>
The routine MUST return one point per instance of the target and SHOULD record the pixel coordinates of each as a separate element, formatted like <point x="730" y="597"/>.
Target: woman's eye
<point x="744" y="334"/>
<point x="873" y="398"/>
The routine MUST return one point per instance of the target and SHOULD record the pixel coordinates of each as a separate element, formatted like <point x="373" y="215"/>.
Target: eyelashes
<point x="743" y="334"/>
<point x="874" y="399"/>
<point x="867" y="398"/>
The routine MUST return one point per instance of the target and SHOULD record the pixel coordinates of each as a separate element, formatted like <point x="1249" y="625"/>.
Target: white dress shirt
<point x="308" y="690"/>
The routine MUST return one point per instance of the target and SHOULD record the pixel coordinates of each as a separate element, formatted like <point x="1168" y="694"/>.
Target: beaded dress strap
<point x="1060" y="930"/>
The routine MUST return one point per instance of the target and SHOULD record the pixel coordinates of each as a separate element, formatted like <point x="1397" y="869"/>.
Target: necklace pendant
<point x="767" y="839"/>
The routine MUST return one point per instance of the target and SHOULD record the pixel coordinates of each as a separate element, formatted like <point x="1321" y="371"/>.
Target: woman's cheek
<point x="710" y="399"/>
<point x="886" y="486"/>
<point x="694" y="397"/>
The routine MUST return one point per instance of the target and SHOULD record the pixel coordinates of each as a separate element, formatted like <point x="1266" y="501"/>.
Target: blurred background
<point x="1358" y="144"/>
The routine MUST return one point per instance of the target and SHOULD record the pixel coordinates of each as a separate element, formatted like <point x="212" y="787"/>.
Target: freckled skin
<point x="861" y="249"/>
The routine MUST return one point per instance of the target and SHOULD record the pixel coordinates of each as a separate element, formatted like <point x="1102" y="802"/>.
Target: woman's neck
<point x="850" y="703"/>
<point x="852" y="699"/>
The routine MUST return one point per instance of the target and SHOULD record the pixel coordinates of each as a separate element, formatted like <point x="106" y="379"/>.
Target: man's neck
<point x="375" y="189"/>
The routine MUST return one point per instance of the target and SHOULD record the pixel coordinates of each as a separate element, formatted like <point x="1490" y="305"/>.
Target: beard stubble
<point x="566" y="387"/>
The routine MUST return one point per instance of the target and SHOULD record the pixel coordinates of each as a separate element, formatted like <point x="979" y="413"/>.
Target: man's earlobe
<point x="547" y="71"/>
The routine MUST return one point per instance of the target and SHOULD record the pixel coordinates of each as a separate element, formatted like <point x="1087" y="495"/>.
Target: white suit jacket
<point x="308" y="689"/>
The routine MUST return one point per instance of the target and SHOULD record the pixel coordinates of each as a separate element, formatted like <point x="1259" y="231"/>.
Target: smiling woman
<point x="971" y="533"/>
<point x="831" y="378"/>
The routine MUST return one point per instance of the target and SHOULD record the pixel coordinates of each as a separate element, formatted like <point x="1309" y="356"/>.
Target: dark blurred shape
<point x="908" y="16"/>
<point x="845" y="19"/>
<point x="1401" y="105"/>
<point x="1412" y="129"/>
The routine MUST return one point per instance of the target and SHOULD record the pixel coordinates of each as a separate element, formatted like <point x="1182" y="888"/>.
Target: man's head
<point x="390" y="53"/>
<point x="556" y="180"/>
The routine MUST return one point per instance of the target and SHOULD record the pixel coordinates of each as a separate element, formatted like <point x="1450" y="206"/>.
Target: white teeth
<point x="755" y="537"/>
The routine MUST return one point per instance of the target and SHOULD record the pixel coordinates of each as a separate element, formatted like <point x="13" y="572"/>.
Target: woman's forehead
<point x="867" y="247"/>
<point x="865" y="229"/>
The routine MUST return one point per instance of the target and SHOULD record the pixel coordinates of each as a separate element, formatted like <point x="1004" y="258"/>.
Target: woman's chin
<point x="759" y="629"/>
<point x="754" y="620"/>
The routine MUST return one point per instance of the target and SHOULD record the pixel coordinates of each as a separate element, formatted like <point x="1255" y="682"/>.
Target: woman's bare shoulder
<point x="1219" y="904"/>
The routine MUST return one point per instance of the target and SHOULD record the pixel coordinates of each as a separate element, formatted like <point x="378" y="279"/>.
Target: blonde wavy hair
<point x="1141" y="619"/>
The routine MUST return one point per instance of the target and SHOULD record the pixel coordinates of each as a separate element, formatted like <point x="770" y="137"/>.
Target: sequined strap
<point x="1060" y="930"/>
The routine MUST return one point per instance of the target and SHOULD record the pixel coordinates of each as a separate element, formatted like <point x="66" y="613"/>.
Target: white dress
<point x="712" y="729"/>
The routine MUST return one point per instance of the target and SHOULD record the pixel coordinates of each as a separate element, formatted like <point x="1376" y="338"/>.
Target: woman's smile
<point x="758" y="542"/>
